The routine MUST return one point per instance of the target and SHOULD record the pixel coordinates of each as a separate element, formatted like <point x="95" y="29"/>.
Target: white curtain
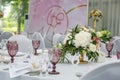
<point x="111" y="15"/>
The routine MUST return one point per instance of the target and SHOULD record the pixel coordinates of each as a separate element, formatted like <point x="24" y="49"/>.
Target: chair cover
<point x="58" y="38"/>
<point x="24" y="33"/>
<point x="38" y="36"/>
<point x="61" y="38"/>
<point x="24" y="44"/>
<point x="5" y="35"/>
<point x="108" y="71"/>
<point x="103" y="48"/>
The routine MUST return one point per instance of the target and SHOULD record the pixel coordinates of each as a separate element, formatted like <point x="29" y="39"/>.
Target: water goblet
<point x="54" y="55"/>
<point x="12" y="48"/>
<point x="36" y="44"/>
<point x="109" y="47"/>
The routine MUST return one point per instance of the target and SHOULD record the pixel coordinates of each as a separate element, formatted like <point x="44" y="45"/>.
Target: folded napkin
<point x="23" y="65"/>
<point x="17" y="69"/>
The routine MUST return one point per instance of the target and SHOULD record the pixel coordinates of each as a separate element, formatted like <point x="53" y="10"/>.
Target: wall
<point x="56" y="16"/>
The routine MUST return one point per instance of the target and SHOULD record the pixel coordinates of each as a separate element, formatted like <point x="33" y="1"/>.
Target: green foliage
<point x="18" y="8"/>
<point x="105" y="36"/>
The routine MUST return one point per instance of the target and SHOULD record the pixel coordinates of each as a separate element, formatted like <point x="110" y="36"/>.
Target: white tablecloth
<point x="67" y="72"/>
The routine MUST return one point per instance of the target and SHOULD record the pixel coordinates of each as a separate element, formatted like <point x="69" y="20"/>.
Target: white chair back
<point x="116" y="45"/>
<point x="108" y="71"/>
<point x="38" y="36"/>
<point x="103" y="48"/>
<point x="5" y="35"/>
<point x="56" y="38"/>
<point x="24" y="44"/>
<point x="24" y="33"/>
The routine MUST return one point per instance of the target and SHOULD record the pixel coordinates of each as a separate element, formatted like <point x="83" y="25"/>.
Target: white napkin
<point x="20" y="66"/>
<point x="17" y="69"/>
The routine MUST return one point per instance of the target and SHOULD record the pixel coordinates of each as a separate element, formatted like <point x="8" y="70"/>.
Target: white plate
<point x="5" y="53"/>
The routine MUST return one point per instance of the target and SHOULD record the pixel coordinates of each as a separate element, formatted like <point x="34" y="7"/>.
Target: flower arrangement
<point x="104" y="36"/>
<point x="96" y="15"/>
<point x="81" y="40"/>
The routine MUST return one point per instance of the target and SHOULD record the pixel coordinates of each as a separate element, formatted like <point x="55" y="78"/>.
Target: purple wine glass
<point x="109" y="47"/>
<point x="12" y="48"/>
<point x="54" y="55"/>
<point x="36" y="44"/>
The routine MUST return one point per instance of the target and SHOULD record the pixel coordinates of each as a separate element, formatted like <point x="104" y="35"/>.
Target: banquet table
<point x="67" y="71"/>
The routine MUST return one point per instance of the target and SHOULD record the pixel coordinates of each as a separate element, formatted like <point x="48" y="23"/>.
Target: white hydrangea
<point x="83" y="38"/>
<point x="67" y="38"/>
<point x="92" y="47"/>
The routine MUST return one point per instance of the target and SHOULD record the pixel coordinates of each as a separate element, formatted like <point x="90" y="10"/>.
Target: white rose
<point x="82" y="39"/>
<point x="92" y="47"/>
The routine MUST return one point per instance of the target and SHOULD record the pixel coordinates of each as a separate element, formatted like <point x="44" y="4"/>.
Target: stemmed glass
<point x="54" y="55"/>
<point x="109" y="47"/>
<point x="36" y="44"/>
<point x="12" y="48"/>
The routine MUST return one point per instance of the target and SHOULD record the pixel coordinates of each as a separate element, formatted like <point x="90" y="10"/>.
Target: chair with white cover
<point x="24" y="44"/>
<point x="38" y="36"/>
<point x="116" y="42"/>
<point x="24" y="33"/>
<point x="108" y="71"/>
<point x="103" y="48"/>
<point x="61" y="38"/>
<point x="5" y="35"/>
<point x="58" y="38"/>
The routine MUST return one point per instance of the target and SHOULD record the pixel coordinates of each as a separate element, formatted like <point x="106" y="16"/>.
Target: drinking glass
<point x="36" y="44"/>
<point x="12" y="48"/>
<point x="109" y="47"/>
<point x="54" y="55"/>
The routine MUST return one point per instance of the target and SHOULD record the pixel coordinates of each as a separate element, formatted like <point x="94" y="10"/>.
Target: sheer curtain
<point x="111" y="15"/>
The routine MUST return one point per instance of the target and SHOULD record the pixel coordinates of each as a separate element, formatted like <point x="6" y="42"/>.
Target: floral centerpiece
<point x="81" y="40"/>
